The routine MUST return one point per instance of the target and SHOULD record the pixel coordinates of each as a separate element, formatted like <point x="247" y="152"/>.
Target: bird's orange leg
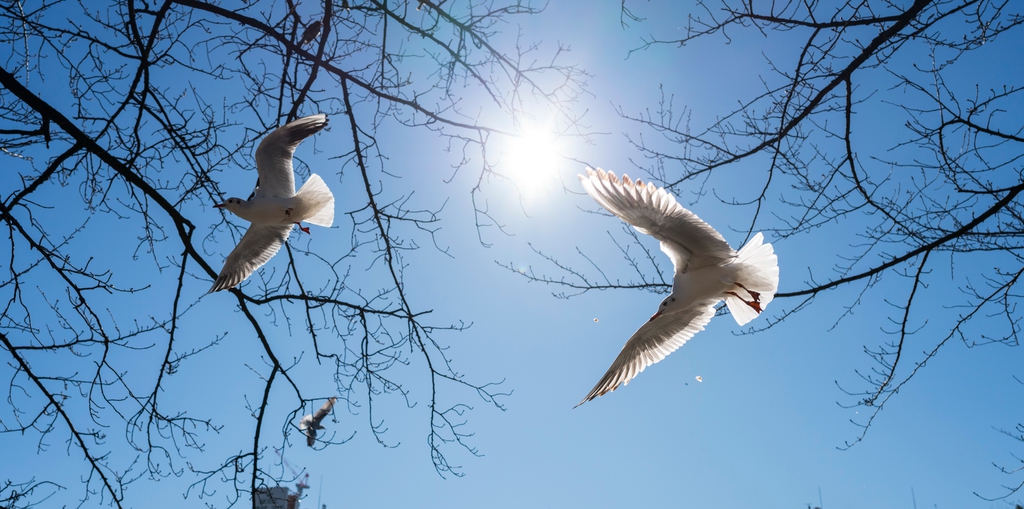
<point x="755" y="304"/>
<point x="755" y="295"/>
<point x="288" y="212"/>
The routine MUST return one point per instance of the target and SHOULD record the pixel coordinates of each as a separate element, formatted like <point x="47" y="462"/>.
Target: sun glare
<point x="531" y="159"/>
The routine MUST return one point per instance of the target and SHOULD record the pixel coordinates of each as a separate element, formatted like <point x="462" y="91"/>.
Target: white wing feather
<point x="259" y="244"/>
<point x="651" y="343"/>
<point x="274" y="155"/>
<point x="685" y="238"/>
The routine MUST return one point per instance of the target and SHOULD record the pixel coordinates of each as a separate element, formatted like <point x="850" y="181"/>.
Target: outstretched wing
<point x="652" y="343"/>
<point x="274" y="156"/>
<point x="324" y="410"/>
<point x="259" y="244"/>
<point x="685" y="238"/>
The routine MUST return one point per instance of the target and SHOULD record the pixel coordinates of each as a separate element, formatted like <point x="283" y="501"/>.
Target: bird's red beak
<point x="218" y="205"/>
<point x="655" y="315"/>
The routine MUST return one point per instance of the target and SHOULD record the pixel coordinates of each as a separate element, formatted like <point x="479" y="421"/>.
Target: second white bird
<point x="276" y="207"/>
<point x="707" y="271"/>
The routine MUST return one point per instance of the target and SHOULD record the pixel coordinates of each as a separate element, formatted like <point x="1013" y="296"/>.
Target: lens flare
<point x="531" y="159"/>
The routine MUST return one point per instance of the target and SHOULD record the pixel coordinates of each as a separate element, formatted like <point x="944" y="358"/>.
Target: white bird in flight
<point x="707" y="271"/>
<point x="275" y="206"/>
<point x="310" y="423"/>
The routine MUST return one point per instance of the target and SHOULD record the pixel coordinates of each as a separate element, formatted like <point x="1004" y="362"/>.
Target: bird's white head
<point x="232" y="205"/>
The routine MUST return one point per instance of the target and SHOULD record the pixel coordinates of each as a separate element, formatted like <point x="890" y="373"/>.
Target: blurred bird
<point x="275" y="206"/>
<point x="707" y="271"/>
<point x="310" y="423"/>
<point x="312" y="30"/>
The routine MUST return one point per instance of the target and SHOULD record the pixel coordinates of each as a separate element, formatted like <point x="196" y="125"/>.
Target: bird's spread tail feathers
<point x="315" y="195"/>
<point x="757" y="280"/>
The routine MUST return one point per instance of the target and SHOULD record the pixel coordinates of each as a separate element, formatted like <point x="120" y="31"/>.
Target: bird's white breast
<point x="269" y="211"/>
<point x="706" y="283"/>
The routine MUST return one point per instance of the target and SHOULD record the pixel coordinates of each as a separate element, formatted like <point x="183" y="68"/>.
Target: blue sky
<point x="765" y="426"/>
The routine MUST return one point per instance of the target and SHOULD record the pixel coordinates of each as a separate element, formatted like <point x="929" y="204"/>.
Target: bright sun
<point x="531" y="159"/>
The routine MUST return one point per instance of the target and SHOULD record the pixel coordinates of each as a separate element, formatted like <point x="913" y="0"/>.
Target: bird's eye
<point x="673" y="299"/>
